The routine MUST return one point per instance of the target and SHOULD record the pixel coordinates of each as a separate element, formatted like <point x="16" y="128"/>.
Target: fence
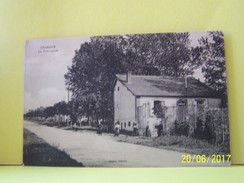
<point x="215" y="120"/>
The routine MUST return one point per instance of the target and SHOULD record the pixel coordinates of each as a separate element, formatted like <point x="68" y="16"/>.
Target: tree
<point x="61" y="108"/>
<point x="161" y="54"/>
<point x="91" y="76"/>
<point x="212" y="57"/>
<point x="50" y="111"/>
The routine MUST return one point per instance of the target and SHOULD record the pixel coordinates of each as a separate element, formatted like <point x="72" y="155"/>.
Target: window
<point x="158" y="107"/>
<point x="125" y="124"/>
<point x="129" y="124"/>
<point x="118" y="88"/>
<point x="200" y="106"/>
<point x="181" y="110"/>
<point x="181" y="102"/>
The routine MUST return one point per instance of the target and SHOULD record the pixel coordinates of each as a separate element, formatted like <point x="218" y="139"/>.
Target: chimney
<point x="186" y="81"/>
<point x="128" y="77"/>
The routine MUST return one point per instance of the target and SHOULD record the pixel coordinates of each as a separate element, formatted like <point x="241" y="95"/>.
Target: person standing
<point x="160" y="129"/>
<point x="116" y="128"/>
<point x="148" y="133"/>
<point x="135" y="129"/>
<point x="99" y="129"/>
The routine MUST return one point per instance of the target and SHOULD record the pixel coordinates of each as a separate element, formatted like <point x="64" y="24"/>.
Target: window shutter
<point x="151" y="108"/>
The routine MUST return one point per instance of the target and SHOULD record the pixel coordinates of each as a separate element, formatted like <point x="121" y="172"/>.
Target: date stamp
<point x="203" y="159"/>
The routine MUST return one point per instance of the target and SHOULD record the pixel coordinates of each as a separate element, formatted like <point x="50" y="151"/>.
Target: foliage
<point x="199" y="130"/>
<point x="61" y="108"/>
<point x="58" y="108"/>
<point x="205" y="128"/>
<point x="91" y="76"/>
<point x="160" y="54"/>
<point x="178" y="143"/>
<point x="210" y="57"/>
<point x="209" y="131"/>
<point x="181" y="128"/>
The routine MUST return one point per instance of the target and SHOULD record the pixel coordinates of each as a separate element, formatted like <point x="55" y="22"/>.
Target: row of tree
<point x="58" y="108"/>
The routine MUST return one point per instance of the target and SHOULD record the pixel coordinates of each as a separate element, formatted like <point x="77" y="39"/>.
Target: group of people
<point x="135" y="129"/>
<point x="117" y="129"/>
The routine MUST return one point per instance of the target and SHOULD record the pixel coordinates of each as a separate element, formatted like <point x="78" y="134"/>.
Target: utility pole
<point x="70" y="109"/>
<point x="68" y="94"/>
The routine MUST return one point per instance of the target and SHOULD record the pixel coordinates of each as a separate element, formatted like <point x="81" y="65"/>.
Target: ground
<point x="37" y="152"/>
<point x="91" y="149"/>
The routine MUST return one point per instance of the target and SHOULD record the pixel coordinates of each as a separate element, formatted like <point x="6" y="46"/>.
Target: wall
<point x="124" y="105"/>
<point x="148" y="117"/>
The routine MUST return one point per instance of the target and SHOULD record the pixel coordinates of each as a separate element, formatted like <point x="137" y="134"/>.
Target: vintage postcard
<point x="142" y="100"/>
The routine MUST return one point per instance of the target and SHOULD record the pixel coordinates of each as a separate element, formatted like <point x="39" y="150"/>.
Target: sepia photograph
<point x="133" y="100"/>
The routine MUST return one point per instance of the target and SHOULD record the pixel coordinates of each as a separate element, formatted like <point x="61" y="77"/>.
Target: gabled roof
<point x="158" y="86"/>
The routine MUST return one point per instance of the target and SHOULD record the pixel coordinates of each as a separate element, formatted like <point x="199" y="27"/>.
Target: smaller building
<point x="151" y="100"/>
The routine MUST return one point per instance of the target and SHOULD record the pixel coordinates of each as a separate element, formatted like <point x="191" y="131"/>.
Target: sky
<point x="195" y="36"/>
<point x="46" y="62"/>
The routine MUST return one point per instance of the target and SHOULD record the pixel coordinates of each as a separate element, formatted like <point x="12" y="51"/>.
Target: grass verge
<point x="37" y="152"/>
<point x="178" y="143"/>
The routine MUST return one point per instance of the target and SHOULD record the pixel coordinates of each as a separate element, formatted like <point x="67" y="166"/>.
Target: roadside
<point x="37" y="152"/>
<point x="105" y="150"/>
<point x="175" y="143"/>
<point x="95" y="150"/>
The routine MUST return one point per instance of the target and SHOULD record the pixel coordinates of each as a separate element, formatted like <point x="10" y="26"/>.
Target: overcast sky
<point x="46" y="62"/>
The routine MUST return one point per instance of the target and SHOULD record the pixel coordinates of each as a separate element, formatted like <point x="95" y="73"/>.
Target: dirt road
<point x="93" y="150"/>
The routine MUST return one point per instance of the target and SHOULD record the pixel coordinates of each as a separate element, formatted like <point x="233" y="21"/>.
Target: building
<point x="151" y="100"/>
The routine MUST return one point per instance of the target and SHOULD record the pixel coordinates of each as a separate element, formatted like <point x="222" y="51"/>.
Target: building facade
<point x="151" y="100"/>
